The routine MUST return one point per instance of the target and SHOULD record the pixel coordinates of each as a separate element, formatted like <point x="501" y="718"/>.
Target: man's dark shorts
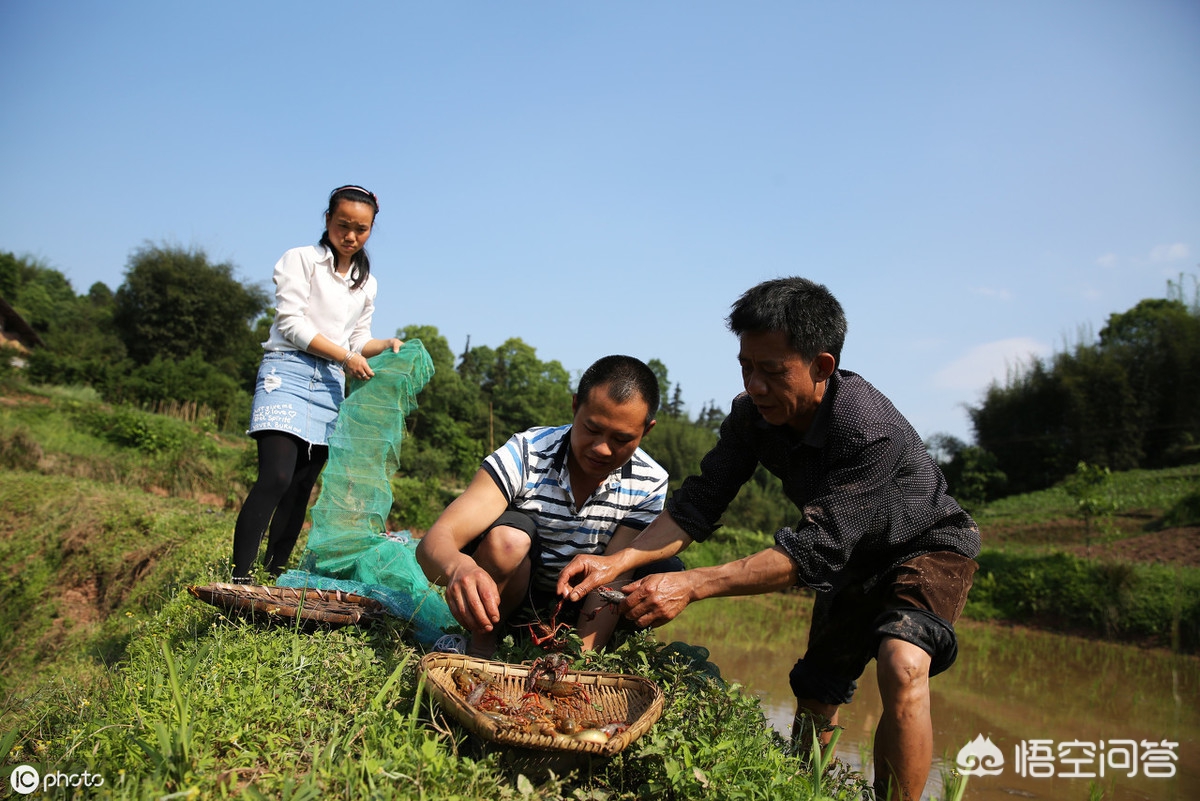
<point x="918" y="602"/>
<point x="539" y="605"/>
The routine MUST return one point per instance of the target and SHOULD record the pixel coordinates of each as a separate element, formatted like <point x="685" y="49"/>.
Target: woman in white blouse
<point x="324" y="300"/>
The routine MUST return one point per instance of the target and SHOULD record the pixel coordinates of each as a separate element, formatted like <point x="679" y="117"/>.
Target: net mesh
<point x="349" y="547"/>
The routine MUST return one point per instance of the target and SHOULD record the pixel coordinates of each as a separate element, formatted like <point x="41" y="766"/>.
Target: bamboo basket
<point x="632" y="700"/>
<point x="307" y="604"/>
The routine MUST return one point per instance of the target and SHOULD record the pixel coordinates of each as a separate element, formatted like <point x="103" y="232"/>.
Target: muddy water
<point x="1010" y="686"/>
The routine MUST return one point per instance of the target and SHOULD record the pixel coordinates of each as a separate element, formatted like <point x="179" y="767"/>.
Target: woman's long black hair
<point x="360" y="264"/>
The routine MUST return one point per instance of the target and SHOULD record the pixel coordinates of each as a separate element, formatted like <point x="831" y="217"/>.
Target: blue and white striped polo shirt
<point x="531" y="471"/>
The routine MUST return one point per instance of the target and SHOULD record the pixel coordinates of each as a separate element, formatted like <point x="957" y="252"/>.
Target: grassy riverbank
<point x="110" y="667"/>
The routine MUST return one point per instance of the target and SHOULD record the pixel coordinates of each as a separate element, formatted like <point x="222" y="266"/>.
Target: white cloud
<point x="1174" y="252"/>
<point x="988" y="362"/>
<point x="989" y="292"/>
<point x="1108" y="260"/>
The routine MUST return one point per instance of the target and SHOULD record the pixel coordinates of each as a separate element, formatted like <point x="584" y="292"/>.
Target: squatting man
<point x="546" y="495"/>
<point x="889" y="552"/>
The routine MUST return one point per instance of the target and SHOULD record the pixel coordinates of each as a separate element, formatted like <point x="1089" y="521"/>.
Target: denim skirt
<point x="298" y="393"/>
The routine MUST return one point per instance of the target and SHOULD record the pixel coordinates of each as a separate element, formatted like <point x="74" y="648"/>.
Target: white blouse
<point x="311" y="298"/>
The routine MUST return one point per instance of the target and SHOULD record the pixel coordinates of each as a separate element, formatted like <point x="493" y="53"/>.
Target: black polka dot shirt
<point x="871" y="497"/>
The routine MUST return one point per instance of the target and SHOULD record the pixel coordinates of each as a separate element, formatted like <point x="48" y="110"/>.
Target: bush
<point x="1185" y="512"/>
<point x="131" y="428"/>
<point x="19" y="450"/>
<point x="191" y="380"/>
<point x="1160" y="603"/>
<point x="726" y="545"/>
<point x="416" y="503"/>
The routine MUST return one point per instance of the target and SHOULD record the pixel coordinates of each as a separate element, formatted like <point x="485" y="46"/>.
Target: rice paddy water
<point x="1029" y="693"/>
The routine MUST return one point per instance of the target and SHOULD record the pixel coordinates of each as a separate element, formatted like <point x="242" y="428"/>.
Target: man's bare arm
<point x="660" y="540"/>
<point x="471" y="592"/>
<point x="658" y="598"/>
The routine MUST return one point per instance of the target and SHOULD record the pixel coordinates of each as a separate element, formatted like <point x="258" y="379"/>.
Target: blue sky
<point x="976" y="182"/>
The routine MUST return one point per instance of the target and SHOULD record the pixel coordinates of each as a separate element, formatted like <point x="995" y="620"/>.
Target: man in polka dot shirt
<point x="890" y="554"/>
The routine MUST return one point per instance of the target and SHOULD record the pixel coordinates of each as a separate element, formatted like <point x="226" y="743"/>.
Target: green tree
<point x="972" y="473"/>
<point x="81" y="346"/>
<point x="760" y="505"/>
<point x="174" y="302"/>
<point x="440" y="442"/>
<point x="190" y="380"/>
<point x="1127" y="400"/>
<point x="519" y="390"/>
<point x="711" y="416"/>
<point x="943" y="447"/>
<point x="678" y="445"/>
<point x="664" y="384"/>
<point x="47" y="301"/>
<point x="1091" y="488"/>
<point x="1157" y="345"/>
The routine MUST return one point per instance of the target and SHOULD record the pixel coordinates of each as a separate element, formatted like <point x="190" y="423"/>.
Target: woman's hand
<point x="355" y="364"/>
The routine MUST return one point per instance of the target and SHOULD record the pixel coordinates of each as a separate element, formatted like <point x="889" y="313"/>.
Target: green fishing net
<point x="349" y="547"/>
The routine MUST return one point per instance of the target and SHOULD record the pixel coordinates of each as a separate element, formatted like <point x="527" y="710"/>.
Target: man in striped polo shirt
<point x="546" y="496"/>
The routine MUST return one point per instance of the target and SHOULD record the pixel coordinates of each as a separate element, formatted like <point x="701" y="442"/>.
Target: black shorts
<point x="540" y="605"/>
<point x="918" y="602"/>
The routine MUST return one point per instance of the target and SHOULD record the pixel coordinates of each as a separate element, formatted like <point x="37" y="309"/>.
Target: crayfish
<point x="611" y="598"/>
<point x="552" y="667"/>
<point x="546" y="635"/>
<point x="551" y="705"/>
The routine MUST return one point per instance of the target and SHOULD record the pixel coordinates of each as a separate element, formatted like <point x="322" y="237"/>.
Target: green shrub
<point x="1185" y="512"/>
<point x="131" y="428"/>
<point x="1159" y="603"/>
<point x="726" y="545"/>
<point x="20" y="450"/>
<point x="416" y="503"/>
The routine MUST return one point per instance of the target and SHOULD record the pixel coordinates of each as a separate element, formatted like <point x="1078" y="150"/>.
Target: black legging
<point x="287" y="470"/>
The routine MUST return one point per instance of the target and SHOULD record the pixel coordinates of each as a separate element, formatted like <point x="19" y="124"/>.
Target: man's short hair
<point x="806" y="311"/>
<point x="623" y="376"/>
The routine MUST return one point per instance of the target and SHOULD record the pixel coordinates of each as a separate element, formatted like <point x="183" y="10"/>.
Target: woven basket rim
<point x="307" y="603"/>
<point x="436" y="668"/>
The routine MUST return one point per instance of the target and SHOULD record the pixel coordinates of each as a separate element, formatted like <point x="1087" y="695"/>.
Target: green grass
<point x="120" y="445"/>
<point x="108" y="665"/>
<point x="206" y="707"/>
<point x="80" y="553"/>
<point x="1028" y="576"/>
<point x="1143" y="497"/>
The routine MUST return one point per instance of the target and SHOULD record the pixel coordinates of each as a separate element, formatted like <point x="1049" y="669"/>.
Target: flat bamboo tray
<point x="308" y="604"/>
<point x="632" y="700"/>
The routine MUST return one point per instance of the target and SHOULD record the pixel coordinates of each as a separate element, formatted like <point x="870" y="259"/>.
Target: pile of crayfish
<point x="547" y="705"/>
